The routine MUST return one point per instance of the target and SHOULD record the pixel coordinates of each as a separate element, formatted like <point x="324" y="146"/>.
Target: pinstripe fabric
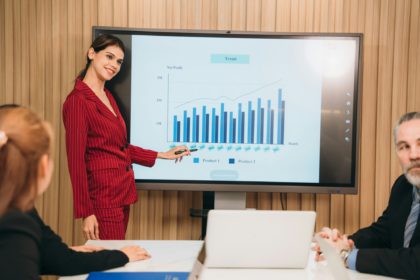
<point x="98" y="154"/>
<point x="412" y="219"/>
<point x="113" y="222"/>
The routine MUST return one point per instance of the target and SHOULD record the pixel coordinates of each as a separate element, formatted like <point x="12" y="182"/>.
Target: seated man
<point x="391" y="245"/>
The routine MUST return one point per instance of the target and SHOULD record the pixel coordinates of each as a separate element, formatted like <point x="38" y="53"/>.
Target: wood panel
<point x="43" y="92"/>
<point x="224" y="15"/>
<point x="399" y="74"/>
<point x="383" y="125"/>
<point x="43" y="45"/>
<point x="67" y="228"/>
<point x="368" y="25"/>
<point x="8" y="93"/>
<point x="413" y="83"/>
<point x="238" y="15"/>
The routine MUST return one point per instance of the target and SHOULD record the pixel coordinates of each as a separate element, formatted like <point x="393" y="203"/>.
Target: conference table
<point x="181" y="256"/>
<point x="167" y="256"/>
<point x="313" y="271"/>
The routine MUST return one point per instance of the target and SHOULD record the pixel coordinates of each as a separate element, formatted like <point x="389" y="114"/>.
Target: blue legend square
<point x="196" y="160"/>
<point x="231" y="161"/>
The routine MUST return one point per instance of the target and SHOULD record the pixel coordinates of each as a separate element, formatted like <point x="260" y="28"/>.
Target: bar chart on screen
<point x="243" y="115"/>
<point x="253" y="117"/>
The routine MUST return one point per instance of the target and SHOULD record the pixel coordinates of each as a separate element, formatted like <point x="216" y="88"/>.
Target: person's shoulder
<point x="81" y="91"/>
<point x="78" y="92"/>
<point x="17" y="222"/>
<point x="77" y="98"/>
<point x="401" y="185"/>
<point x="402" y="181"/>
<point x="35" y="216"/>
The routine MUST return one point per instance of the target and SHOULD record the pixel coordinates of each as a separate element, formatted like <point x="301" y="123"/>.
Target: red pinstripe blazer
<point x="98" y="154"/>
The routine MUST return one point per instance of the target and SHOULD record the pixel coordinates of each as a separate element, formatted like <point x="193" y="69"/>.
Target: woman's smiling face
<point x="107" y="62"/>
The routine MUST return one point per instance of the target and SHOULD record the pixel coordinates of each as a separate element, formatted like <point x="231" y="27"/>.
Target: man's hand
<point x="342" y="243"/>
<point x="90" y="228"/>
<point x="327" y="233"/>
<point x="336" y="239"/>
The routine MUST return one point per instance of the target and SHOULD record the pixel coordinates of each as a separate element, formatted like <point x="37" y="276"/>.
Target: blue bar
<point x="178" y="129"/>
<point x="282" y="122"/>
<point x="234" y="131"/>
<point x="194" y="125"/>
<point x="188" y="129"/>
<point x="207" y="128"/>
<point x="222" y="123"/>
<point x="272" y="126"/>
<point x="204" y="136"/>
<point x="253" y="127"/>
<point x="213" y="125"/>
<point x="216" y="137"/>
<point x="259" y="121"/>
<point x="268" y="137"/>
<point x="230" y="127"/>
<point x="239" y="123"/>
<point x="185" y="127"/>
<point x="261" y="125"/>
<point x="279" y="117"/>
<point x="197" y="124"/>
<point x="225" y="127"/>
<point x="243" y="128"/>
<point x="175" y="132"/>
<point x="249" y="140"/>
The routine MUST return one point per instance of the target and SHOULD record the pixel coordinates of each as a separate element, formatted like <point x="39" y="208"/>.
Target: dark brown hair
<point x="26" y="138"/>
<point x="100" y="43"/>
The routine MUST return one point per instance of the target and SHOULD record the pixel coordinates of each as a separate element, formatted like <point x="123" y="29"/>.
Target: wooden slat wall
<point x="42" y="48"/>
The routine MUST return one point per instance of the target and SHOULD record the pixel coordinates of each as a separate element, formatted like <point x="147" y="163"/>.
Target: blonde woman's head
<point x="25" y="157"/>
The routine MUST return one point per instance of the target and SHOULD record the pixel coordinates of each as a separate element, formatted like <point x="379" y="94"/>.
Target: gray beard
<point x="413" y="178"/>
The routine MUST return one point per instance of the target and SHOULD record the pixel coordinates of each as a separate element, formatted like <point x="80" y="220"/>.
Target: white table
<point x="181" y="256"/>
<point x="313" y="271"/>
<point x="167" y="255"/>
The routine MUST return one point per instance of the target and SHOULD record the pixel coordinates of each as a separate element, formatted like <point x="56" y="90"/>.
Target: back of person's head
<point x="405" y="118"/>
<point x="24" y="139"/>
<point x="100" y="43"/>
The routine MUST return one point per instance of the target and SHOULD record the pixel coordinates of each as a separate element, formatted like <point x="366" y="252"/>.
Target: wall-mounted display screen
<point x="266" y="112"/>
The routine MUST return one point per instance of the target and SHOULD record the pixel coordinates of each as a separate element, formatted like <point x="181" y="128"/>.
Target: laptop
<point x="258" y="238"/>
<point x="334" y="263"/>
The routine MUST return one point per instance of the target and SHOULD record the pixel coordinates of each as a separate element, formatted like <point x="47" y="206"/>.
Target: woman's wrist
<point x="161" y="155"/>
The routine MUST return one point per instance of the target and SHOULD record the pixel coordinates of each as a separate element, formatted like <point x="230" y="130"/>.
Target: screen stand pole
<point x="218" y="200"/>
<point x="230" y="200"/>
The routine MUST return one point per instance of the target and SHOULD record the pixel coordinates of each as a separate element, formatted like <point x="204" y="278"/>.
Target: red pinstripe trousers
<point x="112" y="222"/>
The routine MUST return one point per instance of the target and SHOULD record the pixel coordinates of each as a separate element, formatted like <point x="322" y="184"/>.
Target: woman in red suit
<point x="98" y="153"/>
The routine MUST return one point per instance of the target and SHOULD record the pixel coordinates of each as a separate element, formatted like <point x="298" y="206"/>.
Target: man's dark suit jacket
<point x="381" y="244"/>
<point x="29" y="248"/>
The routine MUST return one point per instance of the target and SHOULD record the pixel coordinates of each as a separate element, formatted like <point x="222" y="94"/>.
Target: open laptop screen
<point x="258" y="238"/>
